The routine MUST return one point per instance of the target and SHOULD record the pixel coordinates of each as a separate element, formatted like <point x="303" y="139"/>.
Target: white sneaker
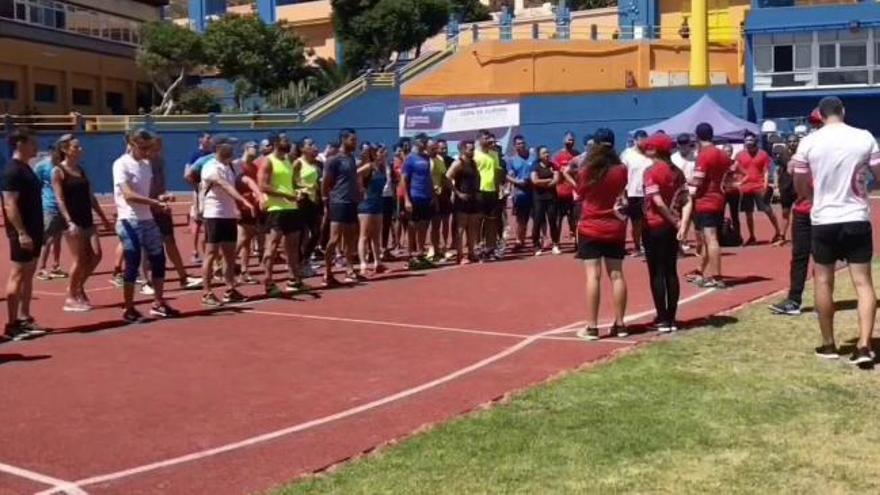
<point x="539" y="252"/>
<point x="193" y="283"/>
<point x="556" y="250"/>
<point x="147" y="290"/>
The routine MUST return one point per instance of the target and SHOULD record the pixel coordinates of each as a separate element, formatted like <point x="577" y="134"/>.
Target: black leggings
<point x="733" y="201"/>
<point x="389" y="204"/>
<point x="801" y="245"/>
<point x="312" y="220"/>
<point x="545" y="213"/>
<point x="565" y="208"/>
<point x="661" y="251"/>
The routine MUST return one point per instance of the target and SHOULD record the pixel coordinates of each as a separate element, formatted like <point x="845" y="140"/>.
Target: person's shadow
<point x="12" y="358"/>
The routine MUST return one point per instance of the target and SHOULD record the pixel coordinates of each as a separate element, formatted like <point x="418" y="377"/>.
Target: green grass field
<point x="741" y="407"/>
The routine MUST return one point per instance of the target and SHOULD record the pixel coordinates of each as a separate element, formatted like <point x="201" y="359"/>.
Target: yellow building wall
<point x="725" y="18"/>
<point x="27" y="63"/>
<point x="538" y="67"/>
<point x="311" y="20"/>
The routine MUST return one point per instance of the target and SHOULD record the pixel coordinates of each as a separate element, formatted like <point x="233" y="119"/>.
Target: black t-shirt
<point x="19" y="177"/>
<point x="786" y="183"/>
<point x="544" y="193"/>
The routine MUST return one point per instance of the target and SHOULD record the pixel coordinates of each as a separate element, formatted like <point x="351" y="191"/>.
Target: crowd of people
<point x="357" y="205"/>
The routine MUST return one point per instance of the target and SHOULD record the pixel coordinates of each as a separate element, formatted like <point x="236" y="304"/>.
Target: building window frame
<point x="821" y="73"/>
<point x="82" y="97"/>
<point x="8" y="90"/>
<point x="45" y="93"/>
<point x="83" y="21"/>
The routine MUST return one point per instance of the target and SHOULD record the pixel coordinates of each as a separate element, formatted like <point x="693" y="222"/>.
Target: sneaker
<point x="57" y="272"/>
<point x="44" y="275"/>
<point x="296" y="286"/>
<point x="133" y="316"/>
<point x="117" y="280"/>
<point x="32" y="329"/>
<point x="141" y="281"/>
<point x="637" y="253"/>
<point x="75" y="306"/>
<point x="13" y="332"/>
<point x="539" y="252"/>
<point x="163" y="310"/>
<point x="673" y="327"/>
<point x="751" y="241"/>
<point x="862" y="356"/>
<point x="248" y="279"/>
<point x="192" y="283"/>
<point x="308" y="271"/>
<point x="827" y="351"/>
<point x="662" y="327"/>
<point x="619" y="331"/>
<point x="556" y="250"/>
<point x="588" y="333"/>
<point x="211" y="301"/>
<point x="196" y="259"/>
<point x="233" y="296"/>
<point x="786" y="307"/>
<point x="147" y="290"/>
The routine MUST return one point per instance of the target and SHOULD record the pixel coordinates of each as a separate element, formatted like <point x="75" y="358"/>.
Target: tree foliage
<point x="469" y="10"/>
<point x="372" y="31"/>
<point x="168" y="53"/>
<point x="267" y="56"/>
<point x="198" y="100"/>
<point x="592" y="4"/>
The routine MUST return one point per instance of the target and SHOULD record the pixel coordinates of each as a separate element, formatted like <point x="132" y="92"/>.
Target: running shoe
<point x="192" y="283"/>
<point x="693" y="275"/>
<point x="233" y="296"/>
<point x="588" y="333"/>
<point x="76" y="306"/>
<point x="673" y="327"/>
<point x="307" y="271"/>
<point x="57" y="272"/>
<point x="862" y="357"/>
<point x="141" y="281"/>
<point x="147" y="290"/>
<point x="13" y="332"/>
<point x="661" y="326"/>
<point x="32" y="328"/>
<point x="619" y="331"/>
<point x="211" y="301"/>
<point x="44" y="275"/>
<point x="296" y="286"/>
<point x="117" y="280"/>
<point x="163" y="310"/>
<point x="556" y="250"/>
<point x="827" y="351"/>
<point x="539" y="252"/>
<point x="751" y="241"/>
<point x="786" y="307"/>
<point x="248" y="279"/>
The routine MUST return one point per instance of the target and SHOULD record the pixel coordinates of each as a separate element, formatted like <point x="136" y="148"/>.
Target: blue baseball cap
<point x="604" y="135"/>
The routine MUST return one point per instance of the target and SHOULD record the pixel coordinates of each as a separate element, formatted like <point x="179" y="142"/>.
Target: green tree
<point x="372" y="31"/>
<point x="168" y="53"/>
<point x="591" y="4"/>
<point x="328" y="76"/>
<point x="198" y="101"/>
<point x="268" y="57"/>
<point x="469" y="10"/>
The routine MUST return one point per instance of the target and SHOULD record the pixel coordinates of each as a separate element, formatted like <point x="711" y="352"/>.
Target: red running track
<point x="246" y="399"/>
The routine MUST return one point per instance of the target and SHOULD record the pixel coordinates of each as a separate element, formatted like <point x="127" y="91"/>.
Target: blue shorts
<point x="136" y="237"/>
<point x="370" y="206"/>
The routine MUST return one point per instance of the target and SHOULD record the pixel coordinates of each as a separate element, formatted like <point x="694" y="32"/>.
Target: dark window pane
<point x="8" y="90"/>
<point x="45" y="93"/>
<point x="840" y="78"/>
<point x="82" y="97"/>
<point x="783" y="58"/>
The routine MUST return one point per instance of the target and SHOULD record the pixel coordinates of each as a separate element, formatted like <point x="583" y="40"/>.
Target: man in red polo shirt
<point x="564" y="190"/>
<point x="753" y="165"/>
<point x="707" y="207"/>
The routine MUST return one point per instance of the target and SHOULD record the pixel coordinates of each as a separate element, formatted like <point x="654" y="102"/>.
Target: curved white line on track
<point x="58" y="486"/>
<point x="104" y="478"/>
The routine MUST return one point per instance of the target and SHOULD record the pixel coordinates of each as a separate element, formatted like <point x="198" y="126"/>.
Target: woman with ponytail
<point x="602" y="230"/>
<point x="76" y="201"/>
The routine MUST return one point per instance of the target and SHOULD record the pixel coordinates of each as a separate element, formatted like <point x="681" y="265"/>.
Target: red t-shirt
<point x="803" y="207"/>
<point x="667" y="181"/>
<point x="564" y="189"/>
<point x="754" y="170"/>
<point x="712" y="166"/>
<point x="600" y="218"/>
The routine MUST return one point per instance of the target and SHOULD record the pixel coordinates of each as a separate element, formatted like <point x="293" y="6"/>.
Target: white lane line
<point x="58" y="486"/>
<point x="248" y="442"/>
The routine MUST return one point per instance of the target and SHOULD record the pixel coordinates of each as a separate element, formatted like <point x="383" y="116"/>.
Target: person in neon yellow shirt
<point x="442" y="202"/>
<point x="276" y="179"/>
<point x="308" y="173"/>
<point x="489" y="167"/>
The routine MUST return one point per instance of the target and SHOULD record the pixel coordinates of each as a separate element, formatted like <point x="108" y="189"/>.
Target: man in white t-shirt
<point x="636" y="164"/>
<point x="137" y="231"/>
<point x="220" y="203"/>
<point x="685" y="156"/>
<point x="835" y="161"/>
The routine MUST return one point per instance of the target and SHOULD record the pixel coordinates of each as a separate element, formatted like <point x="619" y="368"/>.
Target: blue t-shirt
<point x="199" y="153"/>
<point x="45" y="171"/>
<point x="521" y="169"/>
<point x="421" y="186"/>
<point x="372" y="202"/>
<point x="343" y="170"/>
<point x="197" y="164"/>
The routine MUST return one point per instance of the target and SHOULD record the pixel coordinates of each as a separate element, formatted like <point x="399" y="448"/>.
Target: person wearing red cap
<point x="664" y="185"/>
<point x="601" y="231"/>
<point x="753" y="165"/>
<point x="707" y="207"/>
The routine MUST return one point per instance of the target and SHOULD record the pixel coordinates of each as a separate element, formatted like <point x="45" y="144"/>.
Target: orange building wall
<point x="535" y="67"/>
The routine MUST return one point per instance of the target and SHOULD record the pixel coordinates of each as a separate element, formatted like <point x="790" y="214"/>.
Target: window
<point x="62" y="16"/>
<point x="783" y="59"/>
<point x="7" y="9"/>
<point x="45" y="93"/>
<point x="8" y="90"/>
<point x="114" y="102"/>
<point x="82" y="97"/>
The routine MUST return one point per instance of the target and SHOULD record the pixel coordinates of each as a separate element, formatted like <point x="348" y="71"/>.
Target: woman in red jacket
<point x="602" y="230"/>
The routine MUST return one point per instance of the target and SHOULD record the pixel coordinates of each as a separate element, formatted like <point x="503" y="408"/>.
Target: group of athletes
<point x="358" y="205"/>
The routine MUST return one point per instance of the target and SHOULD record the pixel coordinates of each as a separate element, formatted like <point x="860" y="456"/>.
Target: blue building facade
<point x="797" y="54"/>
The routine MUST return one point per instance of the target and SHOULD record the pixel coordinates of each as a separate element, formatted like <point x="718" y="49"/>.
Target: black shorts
<point x="221" y="230"/>
<point x="522" y="210"/>
<point x="345" y="213"/>
<point x="422" y="211"/>
<point x="588" y="249"/>
<point x="708" y="220"/>
<point x="787" y="198"/>
<point x="444" y="205"/>
<point x="489" y="204"/>
<point x="285" y="221"/>
<point x="19" y="255"/>
<point x="635" y="208"/>
<point x="750" y="201"/>
<point x="849" y="241"/>
<point x="165" y="223"/>
<point x="467" y="206"/>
